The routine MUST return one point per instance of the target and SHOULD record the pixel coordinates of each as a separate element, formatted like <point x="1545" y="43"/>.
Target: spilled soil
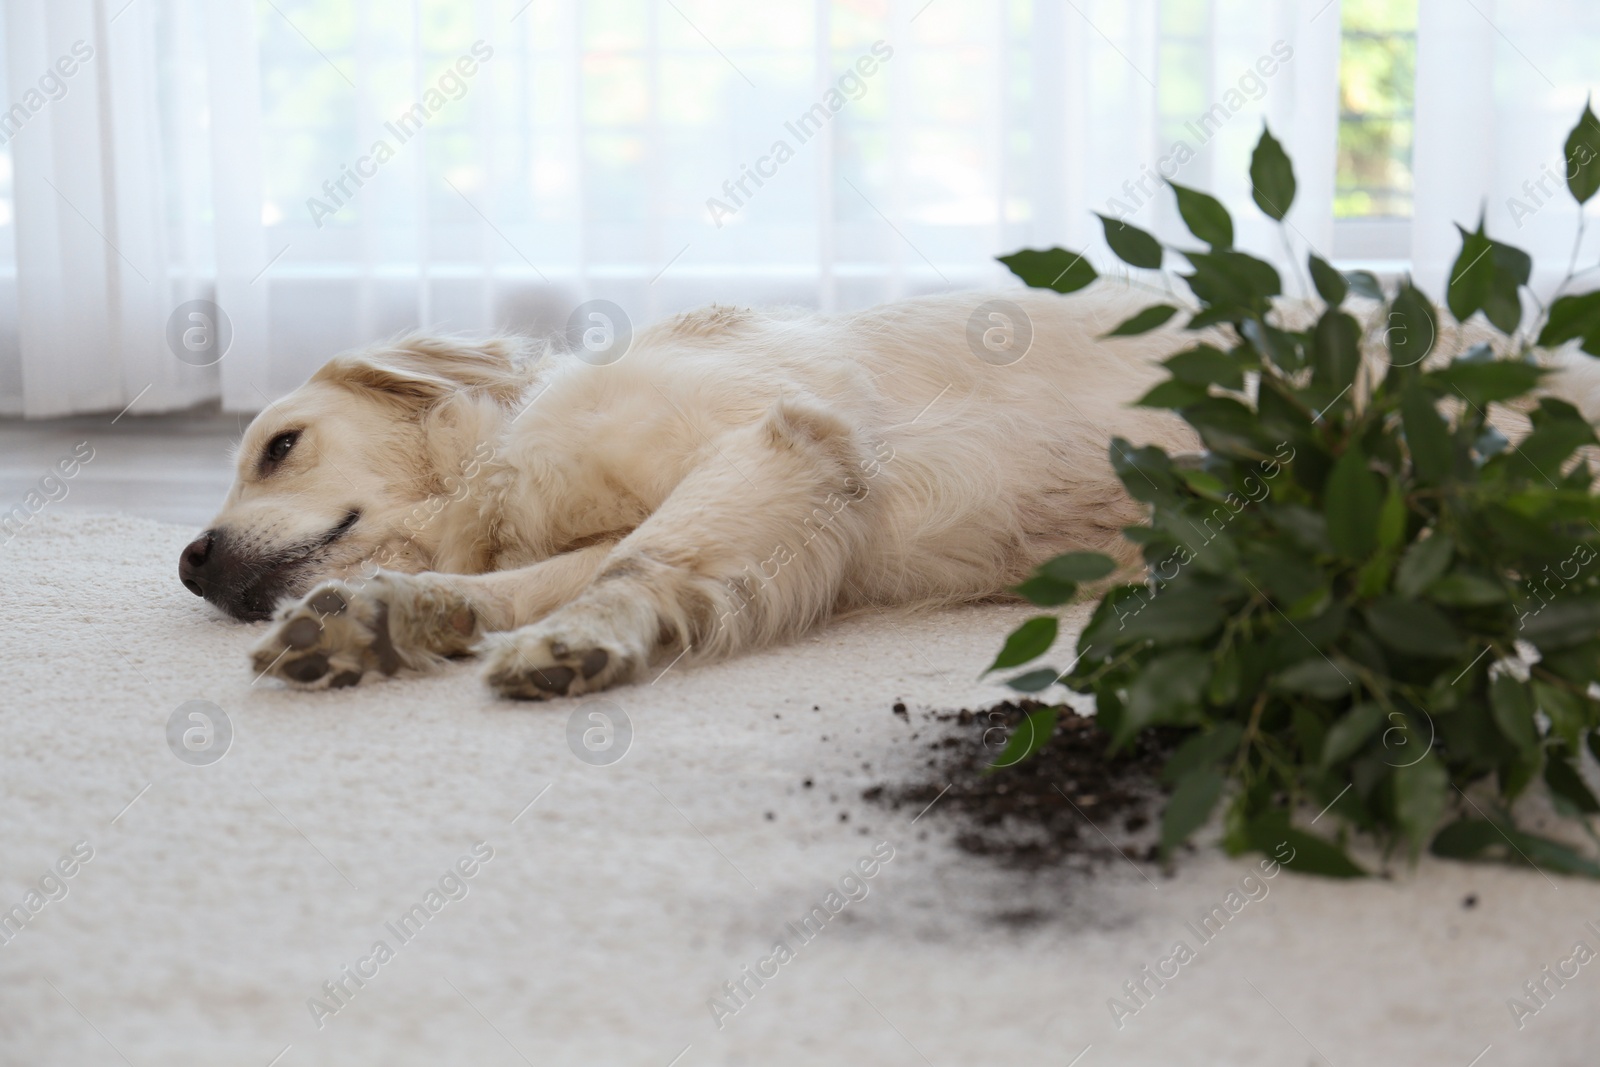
<point x="1068" y="805"/>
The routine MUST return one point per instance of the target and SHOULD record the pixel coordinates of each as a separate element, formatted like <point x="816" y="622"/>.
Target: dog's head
<point x="339" y="476"/>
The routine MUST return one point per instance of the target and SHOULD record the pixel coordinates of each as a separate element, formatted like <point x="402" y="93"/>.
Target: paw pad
<point x="330" y="640"/>
<point x="527" y="666"/>
<point x="302" y="633"/>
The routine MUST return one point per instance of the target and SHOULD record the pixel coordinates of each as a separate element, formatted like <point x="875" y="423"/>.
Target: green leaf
<point x="1487" y="276"/>
<point x="1205" y="216"/>
<point x="1568" y="620"/>
<point x="1029" y="736"/>
<point x="1202" y="750"/>
<point x="1504" y="306"/>
<point x="1565" y="782"/>
<point x="1420" y="791"/>
<point x="1413" y="627"/>
<point x="1578" y="665"/>
<point x="1512" y="706"/>
<point x="1351" y="500"/>
<point x="1554" y="856"/>
<point x="1466" y="839"/>
<point x="1542" y="453"/>
<point x="1274" y="345"/>
<point x="1028" y="641"/>
<point x="1172" y="394"/>
<point x="1467" y="591"/>
<point x="1189" y="807"/>
<point x="1486" y="382"/>
<point x="1227" y="427"/>
<point x="1299" y="851"/>
<point x="1583" y="157"/>
<point x="1331" y="285"/>
<point x="1423" y="564"/>
<point x="1574" y="316"/>
<point x="1223" y="689"/>
<point x="1313" y="855"/>
<point x="1034" y="681"/>
<point x="1079" y="567"/>
<point x="1043" y="591"/>
<point x="1514" y="265"/>
<point x="1055" y="268"/>
<point x="1175" y="615"/>
<point x="1206" y="485"/>
<point x="1336" y="352"/>
<point x="1149" y="319"/>
<point x="1305" y="527"/>
<point x="1563" y="710"/>
<point x="1427" y="435"/>
<point x="1392" y="521"/>
<point x="1373" y="577"/>
<point x="1146" y="473"/>
<point x="1518" y="770"/>
<point x="1132" y="245"/>
<point x="1346" y="736"/>
<point x="1309" y="731"/>
<point x="1204" y="365"/>
<point x="1470" y="838"/>
<point x="1364" y="283"/>
<point x="1232" y="281"/>
<point x="1167" y="690"/>
<point x="1316" y="677"/>
<point x="1271" y="177"/>
<point x="1412" y="329"/>
<point x="1471" y="276"/>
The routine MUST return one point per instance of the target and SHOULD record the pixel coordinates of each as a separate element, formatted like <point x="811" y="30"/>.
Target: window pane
<point x="1377" y="77"/>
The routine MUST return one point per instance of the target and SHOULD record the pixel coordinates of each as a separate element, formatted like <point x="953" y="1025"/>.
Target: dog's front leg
<point x="752" y="546"/>
<point x="346" y="629"/>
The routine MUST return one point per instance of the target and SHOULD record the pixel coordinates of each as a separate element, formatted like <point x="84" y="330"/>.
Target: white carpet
<point x="616" y="906"/>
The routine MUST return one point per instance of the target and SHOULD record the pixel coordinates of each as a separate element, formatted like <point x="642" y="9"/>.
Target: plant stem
<point x="1250" y="733"/>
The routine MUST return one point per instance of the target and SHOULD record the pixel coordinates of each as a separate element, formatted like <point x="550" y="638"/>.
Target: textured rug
<point x="413" y="873"/>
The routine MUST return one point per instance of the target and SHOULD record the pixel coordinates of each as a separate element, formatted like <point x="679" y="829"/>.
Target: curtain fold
<point x="89" y="234"/>
<point x="234" y="152"/>
<point x="1499" y="86"/>
<point x="296" y="177"/>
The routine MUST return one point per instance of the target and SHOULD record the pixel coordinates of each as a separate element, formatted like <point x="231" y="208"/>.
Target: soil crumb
<point x="1069" y="804"/>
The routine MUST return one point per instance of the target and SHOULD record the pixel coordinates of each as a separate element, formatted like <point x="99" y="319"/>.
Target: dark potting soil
<point x="1068" y="804"/>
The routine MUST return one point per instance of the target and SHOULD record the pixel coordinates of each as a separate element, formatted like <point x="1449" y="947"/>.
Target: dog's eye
<point x="279" y="446"/>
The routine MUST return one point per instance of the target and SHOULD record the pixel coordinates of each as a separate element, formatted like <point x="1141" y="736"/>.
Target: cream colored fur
<point x="735" y="479"/>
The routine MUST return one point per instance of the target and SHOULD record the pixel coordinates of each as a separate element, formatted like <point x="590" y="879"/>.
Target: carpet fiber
<point x="538" y="907"/>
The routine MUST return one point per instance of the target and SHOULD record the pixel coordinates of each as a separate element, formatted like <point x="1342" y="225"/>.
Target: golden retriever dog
<point x="735" y="478"/>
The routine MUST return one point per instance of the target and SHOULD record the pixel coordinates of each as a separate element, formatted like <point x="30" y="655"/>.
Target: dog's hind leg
<point x="751" y="546"/>
<point x="345" y="629"/>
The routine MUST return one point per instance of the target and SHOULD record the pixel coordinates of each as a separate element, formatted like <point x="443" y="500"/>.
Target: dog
<point x="734" y="479"/>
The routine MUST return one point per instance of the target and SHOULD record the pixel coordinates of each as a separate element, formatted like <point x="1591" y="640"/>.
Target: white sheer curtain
<point x="655" y="153"/>
<point x="1499" y="85"/>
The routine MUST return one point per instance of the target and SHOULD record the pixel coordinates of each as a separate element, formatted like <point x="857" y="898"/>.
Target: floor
<point x="410" y="871"/>
<point x="171" y="468"/>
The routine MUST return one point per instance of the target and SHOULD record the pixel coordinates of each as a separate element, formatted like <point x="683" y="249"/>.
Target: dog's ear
<point x="419" y="371"/>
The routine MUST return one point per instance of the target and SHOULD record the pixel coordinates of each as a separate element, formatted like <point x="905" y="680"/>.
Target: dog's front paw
<point x="342" y="631"/>
<point x="558" y="657"/>
<point x="329" y="639"/>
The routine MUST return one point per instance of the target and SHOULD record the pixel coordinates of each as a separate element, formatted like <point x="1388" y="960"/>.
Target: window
<point x="1377" y="80"/>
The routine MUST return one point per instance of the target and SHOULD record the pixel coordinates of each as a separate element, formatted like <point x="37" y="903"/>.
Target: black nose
<point x="193" y="563"/>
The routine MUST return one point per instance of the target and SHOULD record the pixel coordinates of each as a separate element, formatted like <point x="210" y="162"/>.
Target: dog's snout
<point x="236" y="574"/>
<point x="194" y="562"/>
